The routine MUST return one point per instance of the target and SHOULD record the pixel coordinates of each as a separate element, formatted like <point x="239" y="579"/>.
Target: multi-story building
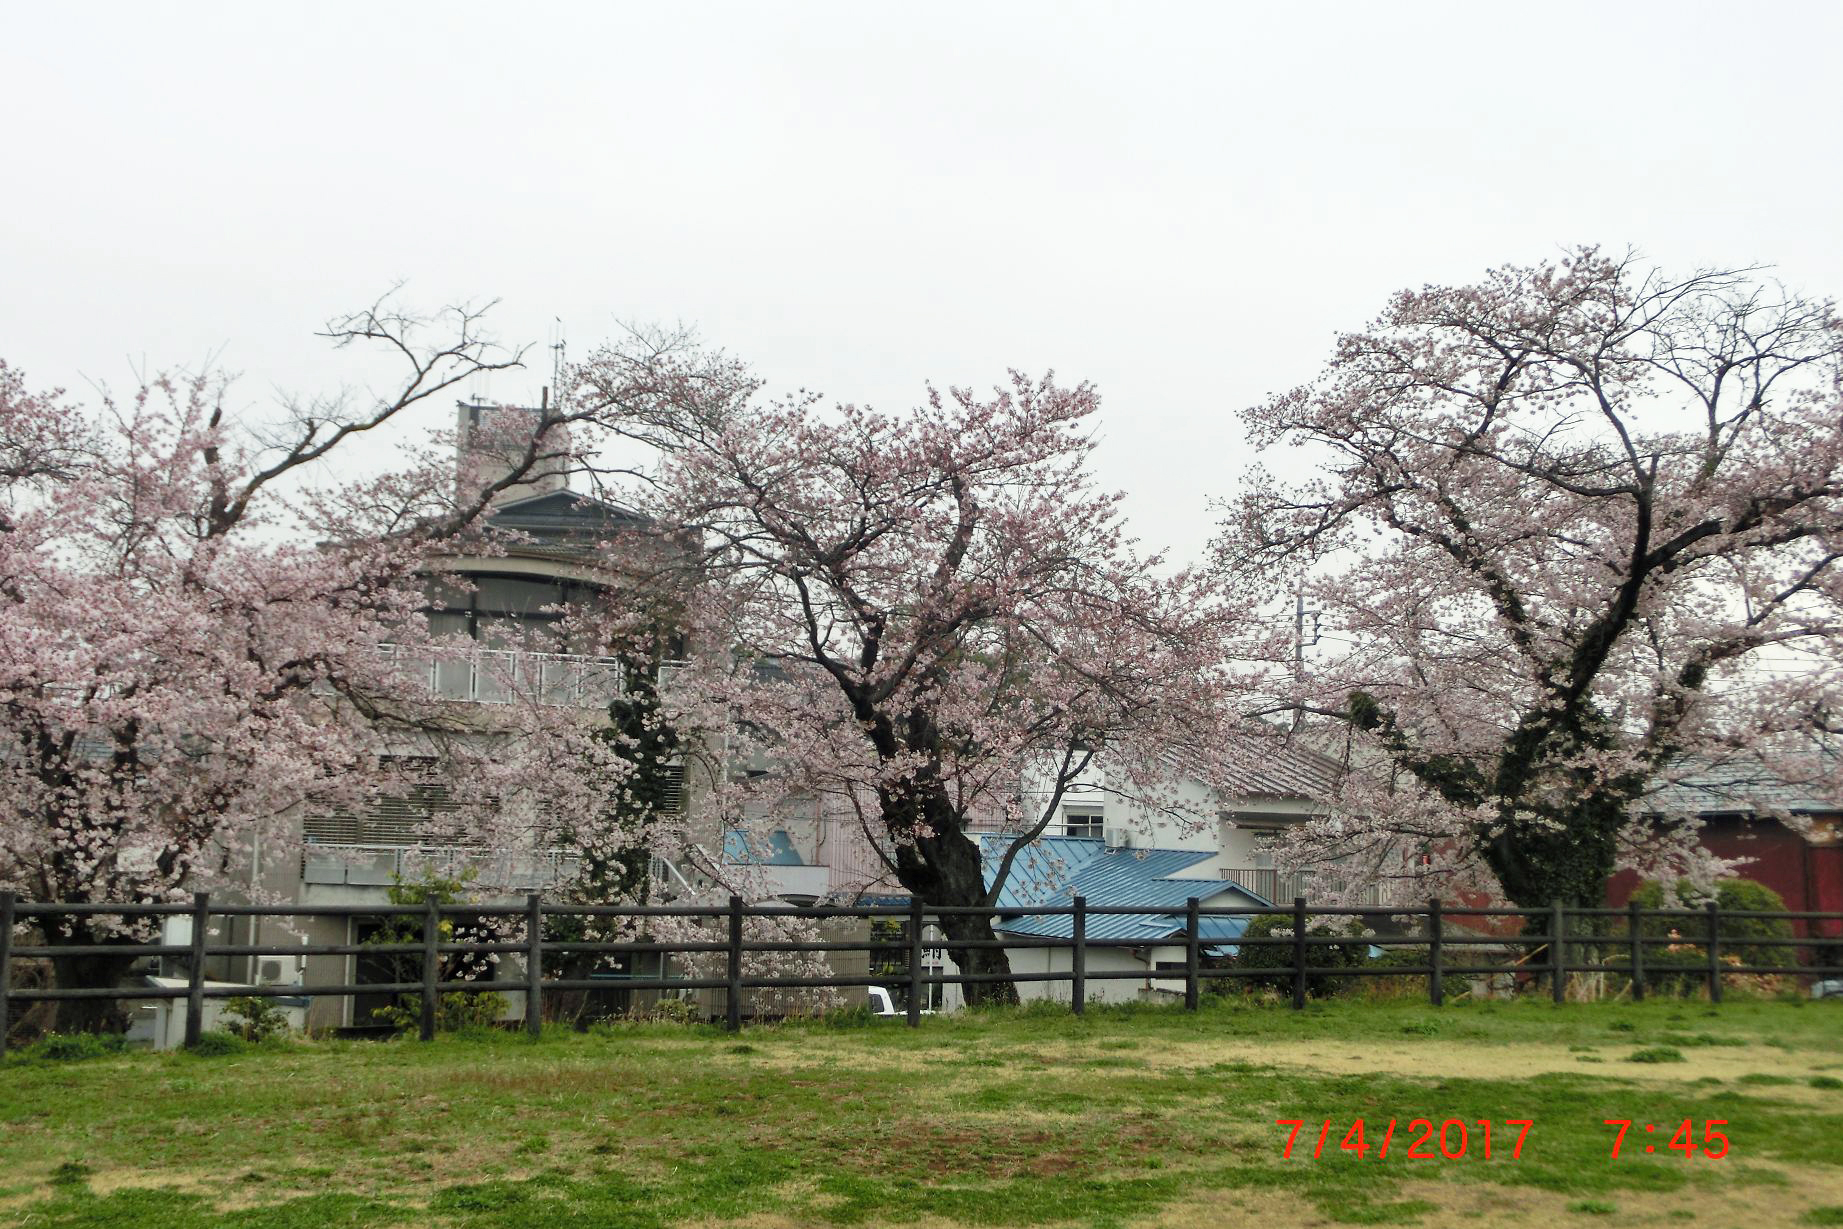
<point x="508" y="604"/>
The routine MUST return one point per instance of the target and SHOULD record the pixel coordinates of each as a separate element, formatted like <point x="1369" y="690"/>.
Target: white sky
<point x="1180" y="203"/>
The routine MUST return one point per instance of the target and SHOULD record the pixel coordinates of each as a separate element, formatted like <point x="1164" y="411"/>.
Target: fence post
<point x="431" y="965"/>
<point x="1635" y="929"/>
<point x="6" y="967"/>
<point x="195" y="981"/>
<point x="1298" y="953"/>
<point x="1558" y="965"/>
<point x="917" y="921"/>
<point x="534" y="964"/>
<point x="1436" y="988"/>
<point x="733" y="1008"/>
<point x="1191" y="961"/>
<point x="1714" y="911"/>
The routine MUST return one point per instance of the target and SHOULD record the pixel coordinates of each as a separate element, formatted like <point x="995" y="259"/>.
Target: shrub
<point x="675" y="1011"/>
<point x="1662" y="961"/>
<point x="458" y="1011"/>
<point x="1413" y="985"/>
<point x="1326" y="957"/>
<point x="73" y="1047"/>
<point x="455" y="1011"/>
<point x="255" y="1019"/>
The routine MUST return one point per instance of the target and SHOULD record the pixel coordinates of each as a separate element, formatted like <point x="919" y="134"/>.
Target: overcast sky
<point x="1180" y="203"/>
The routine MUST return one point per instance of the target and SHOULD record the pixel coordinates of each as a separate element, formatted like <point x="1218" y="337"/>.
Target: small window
<point x="1083" y="821"/>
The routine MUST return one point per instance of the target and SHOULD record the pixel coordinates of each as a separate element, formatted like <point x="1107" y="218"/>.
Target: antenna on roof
<point x="557" y="363"/>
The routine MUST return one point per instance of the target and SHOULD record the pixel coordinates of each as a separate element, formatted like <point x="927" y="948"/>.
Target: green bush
<point x="674" y="1011"/>
<point x="1326" y="957"/>
<point x="455" y="1011"/>
<point x="458" y="1011"/>
<point x="1692" y="957"/>
<point x="73" y="1047"/>
<point x="1413" y="985"/>
<point x="255" y="1019"/>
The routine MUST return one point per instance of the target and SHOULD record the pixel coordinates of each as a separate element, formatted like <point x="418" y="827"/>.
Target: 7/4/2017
<point x="1453" y="1137"/>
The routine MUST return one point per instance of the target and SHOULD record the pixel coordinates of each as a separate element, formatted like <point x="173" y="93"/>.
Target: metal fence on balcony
<point x="498" y="676"/>
<point x="362" y="865"/>
<point x="1270" y="883"/>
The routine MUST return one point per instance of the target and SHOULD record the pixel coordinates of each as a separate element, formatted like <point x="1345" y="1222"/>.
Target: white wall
<point x="1144" y="986"/>
<point x="1192" y="827"/>
<point x="1226" y="827"/>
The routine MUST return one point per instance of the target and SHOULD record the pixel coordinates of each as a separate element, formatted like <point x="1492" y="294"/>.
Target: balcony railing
<point x="383" y="865"/>
<point x="1281" y="886"/>
<point x="498" y="676"/>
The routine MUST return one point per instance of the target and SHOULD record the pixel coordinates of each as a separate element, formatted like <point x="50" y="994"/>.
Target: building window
<point x="416" y="807"/>
<point x="1083" y="821"/>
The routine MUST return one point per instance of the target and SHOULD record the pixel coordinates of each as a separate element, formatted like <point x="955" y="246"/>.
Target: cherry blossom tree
<point x="190" y="623"/>
<point x="923" y="610"/>
<point x="1572" y="529"/>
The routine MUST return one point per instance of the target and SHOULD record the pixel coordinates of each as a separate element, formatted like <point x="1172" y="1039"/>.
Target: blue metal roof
<point x="1053" y="870"/>
<point x="779" y="850"/>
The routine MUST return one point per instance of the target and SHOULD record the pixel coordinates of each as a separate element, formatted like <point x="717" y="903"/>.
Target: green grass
<point x="1122" y="1117"/>
<point x="1656" y="1054"/>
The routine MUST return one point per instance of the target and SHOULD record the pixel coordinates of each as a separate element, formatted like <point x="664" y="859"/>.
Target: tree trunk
<point x="90" y="973"/>
<point x="1538" y="864"/>
<point x="979" y="961"/>
<point x="945" y="868"/>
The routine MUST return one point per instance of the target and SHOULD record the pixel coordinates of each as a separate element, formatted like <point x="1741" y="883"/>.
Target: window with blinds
<point x="418" y="813"/>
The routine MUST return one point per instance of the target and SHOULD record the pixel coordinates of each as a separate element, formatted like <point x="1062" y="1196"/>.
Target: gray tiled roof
<point x="1274" y="763"/>
<point x="1746" y="786"/>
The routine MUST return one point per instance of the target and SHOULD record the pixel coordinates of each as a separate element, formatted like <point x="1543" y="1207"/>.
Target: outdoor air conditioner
<point x="1119" y="838"/>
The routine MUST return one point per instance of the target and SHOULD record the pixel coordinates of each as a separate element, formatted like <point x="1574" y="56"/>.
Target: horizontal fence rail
<point x="1697" y="947"/>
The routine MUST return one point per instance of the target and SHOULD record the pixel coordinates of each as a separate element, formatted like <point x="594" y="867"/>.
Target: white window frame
<point x="1084" y="821"/>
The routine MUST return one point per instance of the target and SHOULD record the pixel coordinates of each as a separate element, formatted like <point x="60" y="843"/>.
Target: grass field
<point x="1144" y="1117"/>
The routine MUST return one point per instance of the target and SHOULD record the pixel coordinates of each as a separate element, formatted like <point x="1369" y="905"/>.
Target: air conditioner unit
<point x="1119" y="838"/>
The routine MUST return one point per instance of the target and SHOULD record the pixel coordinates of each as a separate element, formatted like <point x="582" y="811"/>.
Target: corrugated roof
<point x="1054" y="870"/>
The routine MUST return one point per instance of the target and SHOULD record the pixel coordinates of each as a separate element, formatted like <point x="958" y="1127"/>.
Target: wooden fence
<point x="1617" y="940"/>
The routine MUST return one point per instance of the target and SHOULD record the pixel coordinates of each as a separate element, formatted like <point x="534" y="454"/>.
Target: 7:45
<point x="1682" y="1140"/>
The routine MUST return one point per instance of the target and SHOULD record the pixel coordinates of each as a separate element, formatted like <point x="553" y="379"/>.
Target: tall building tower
<point x="492" y="441"/>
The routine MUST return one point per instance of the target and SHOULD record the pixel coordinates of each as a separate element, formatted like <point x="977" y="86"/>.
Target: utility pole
<point x="1299" y="644"/>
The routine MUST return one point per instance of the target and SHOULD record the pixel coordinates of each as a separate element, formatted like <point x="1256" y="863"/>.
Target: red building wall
<point x="1806" y="870"/>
